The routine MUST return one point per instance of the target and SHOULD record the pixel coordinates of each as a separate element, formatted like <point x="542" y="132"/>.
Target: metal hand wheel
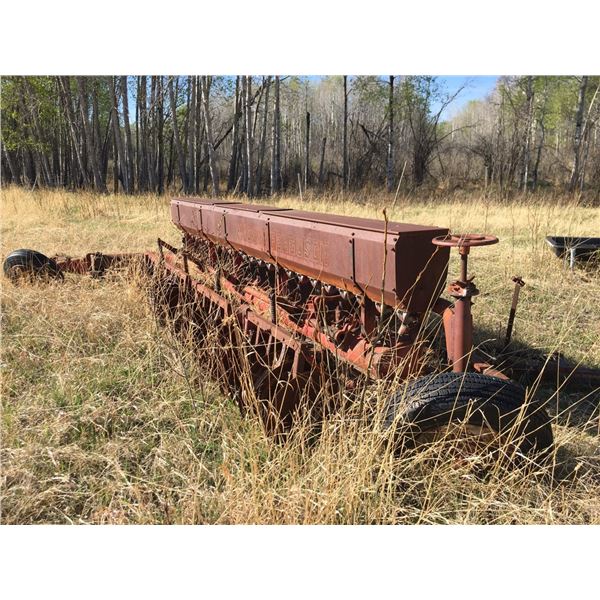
<point x="465" y="240"/>
<point x="462" y="290"/>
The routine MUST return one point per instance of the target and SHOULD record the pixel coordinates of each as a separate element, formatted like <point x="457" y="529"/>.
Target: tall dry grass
<point x="107" y="417"/>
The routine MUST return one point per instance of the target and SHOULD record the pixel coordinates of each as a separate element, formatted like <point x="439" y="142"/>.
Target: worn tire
<point x="30" y="264"/>
<point x="432" y="402"/>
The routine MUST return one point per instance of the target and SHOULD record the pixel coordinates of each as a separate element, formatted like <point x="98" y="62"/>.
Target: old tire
<point x="432" y="403"/>
<point x="30" y="264"/>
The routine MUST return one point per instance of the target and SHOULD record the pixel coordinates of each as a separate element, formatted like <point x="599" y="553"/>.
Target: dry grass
<point x="101" y="422"/>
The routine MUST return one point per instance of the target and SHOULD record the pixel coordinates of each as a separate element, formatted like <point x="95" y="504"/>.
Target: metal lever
<point x="519" y="283"/>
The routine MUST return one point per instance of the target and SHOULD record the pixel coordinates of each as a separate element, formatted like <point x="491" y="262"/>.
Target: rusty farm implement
<point x="301" y="307"/>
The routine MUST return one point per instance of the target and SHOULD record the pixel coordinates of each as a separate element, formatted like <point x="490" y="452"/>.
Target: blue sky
<point x="477" y="87"/>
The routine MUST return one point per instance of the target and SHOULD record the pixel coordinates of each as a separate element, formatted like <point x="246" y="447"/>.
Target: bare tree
<point x="322" y="162"/>
<point x="307" y="152"/>
<point x="64" y="85"/>
<point x="541" y="123"/>
<point x="390" y="148"/>
<point x="263" y="135"/>
<point x="276" y="141"/>
<point x="577" y="139"/>
<point x="249" y="136"/>
<point x="420" y="93"/>
<point x="12" y="165"/>
<point x="121" y="158"/>
<point x="191" y="132"/>
<point x="159" y="116"/>
<point x="589" y="123"/>
<point x="32" y="109"/>
<point x="149" y="146"/>
<point x="127" y="127"/>
<point x="68" y="131"/>
<point x="345" y="135"/>
<point x="235" y="150"/>
<point x="176" y="137"/>
<point x="528" y="132"/>
<point x="212" y="159"/>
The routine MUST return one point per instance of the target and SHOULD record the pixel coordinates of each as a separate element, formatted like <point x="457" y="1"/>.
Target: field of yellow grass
<point x="101" y="422"/>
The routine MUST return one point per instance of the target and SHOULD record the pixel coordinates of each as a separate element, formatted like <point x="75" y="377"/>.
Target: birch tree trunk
<point x="160" y="174"/>
<point x="575" y="174"/>
<point x="390" y="148"/>
<point x="15" y="173"/>
<point x="138" y="158"/>
<point x="93" y="153"/>
<point x="33" y="112"/>
<point x="276" y="149"/>
<point x="151" y="135"/>
<point x="345" y="136"/>
<point x="538" y="158"/>
<point x="586" y="137"/>
<point x="234" y="158"/>
<point x="119" y="158"/>
<point x="212" y="158"/>
<point x="249" y="137"/>
<point x="528" y="133"/>
<point x="64" y="84"/>
<point x="115" y="158"/>
<point x="200" y="136"/>
<point x="101" y="142"/>
<point x="261" y="91"/>
<point x="191" y="132"/>
<point x="176" y="138"/>
<point x="306" y="152"/>
<point x="541" y="121"/>
<point x="127" y="126"/>
<point x="263" y="137"/>
<point x="144" y="161"/>
<point x="322" y="163"/>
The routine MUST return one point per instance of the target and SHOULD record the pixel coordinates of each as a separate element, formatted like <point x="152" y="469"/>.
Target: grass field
<point x="100" y="423"/>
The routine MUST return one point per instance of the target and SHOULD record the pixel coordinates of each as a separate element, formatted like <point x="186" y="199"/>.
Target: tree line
<point x="268" y="135"/>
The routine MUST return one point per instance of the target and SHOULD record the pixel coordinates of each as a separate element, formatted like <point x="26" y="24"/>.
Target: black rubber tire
<point x="434" y="401"/>
<point x="32" y="264"/>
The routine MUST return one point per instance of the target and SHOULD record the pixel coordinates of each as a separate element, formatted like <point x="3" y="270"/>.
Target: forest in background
<point x="267" y="135"/>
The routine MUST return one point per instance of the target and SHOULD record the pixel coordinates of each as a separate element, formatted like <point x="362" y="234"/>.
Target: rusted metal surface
<point x="93" y="263"/>
<point x="394" y="263"/>
<point x="459" y="322"/>
<point x="519" y="283"/>
<point x="464" y="241"/>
